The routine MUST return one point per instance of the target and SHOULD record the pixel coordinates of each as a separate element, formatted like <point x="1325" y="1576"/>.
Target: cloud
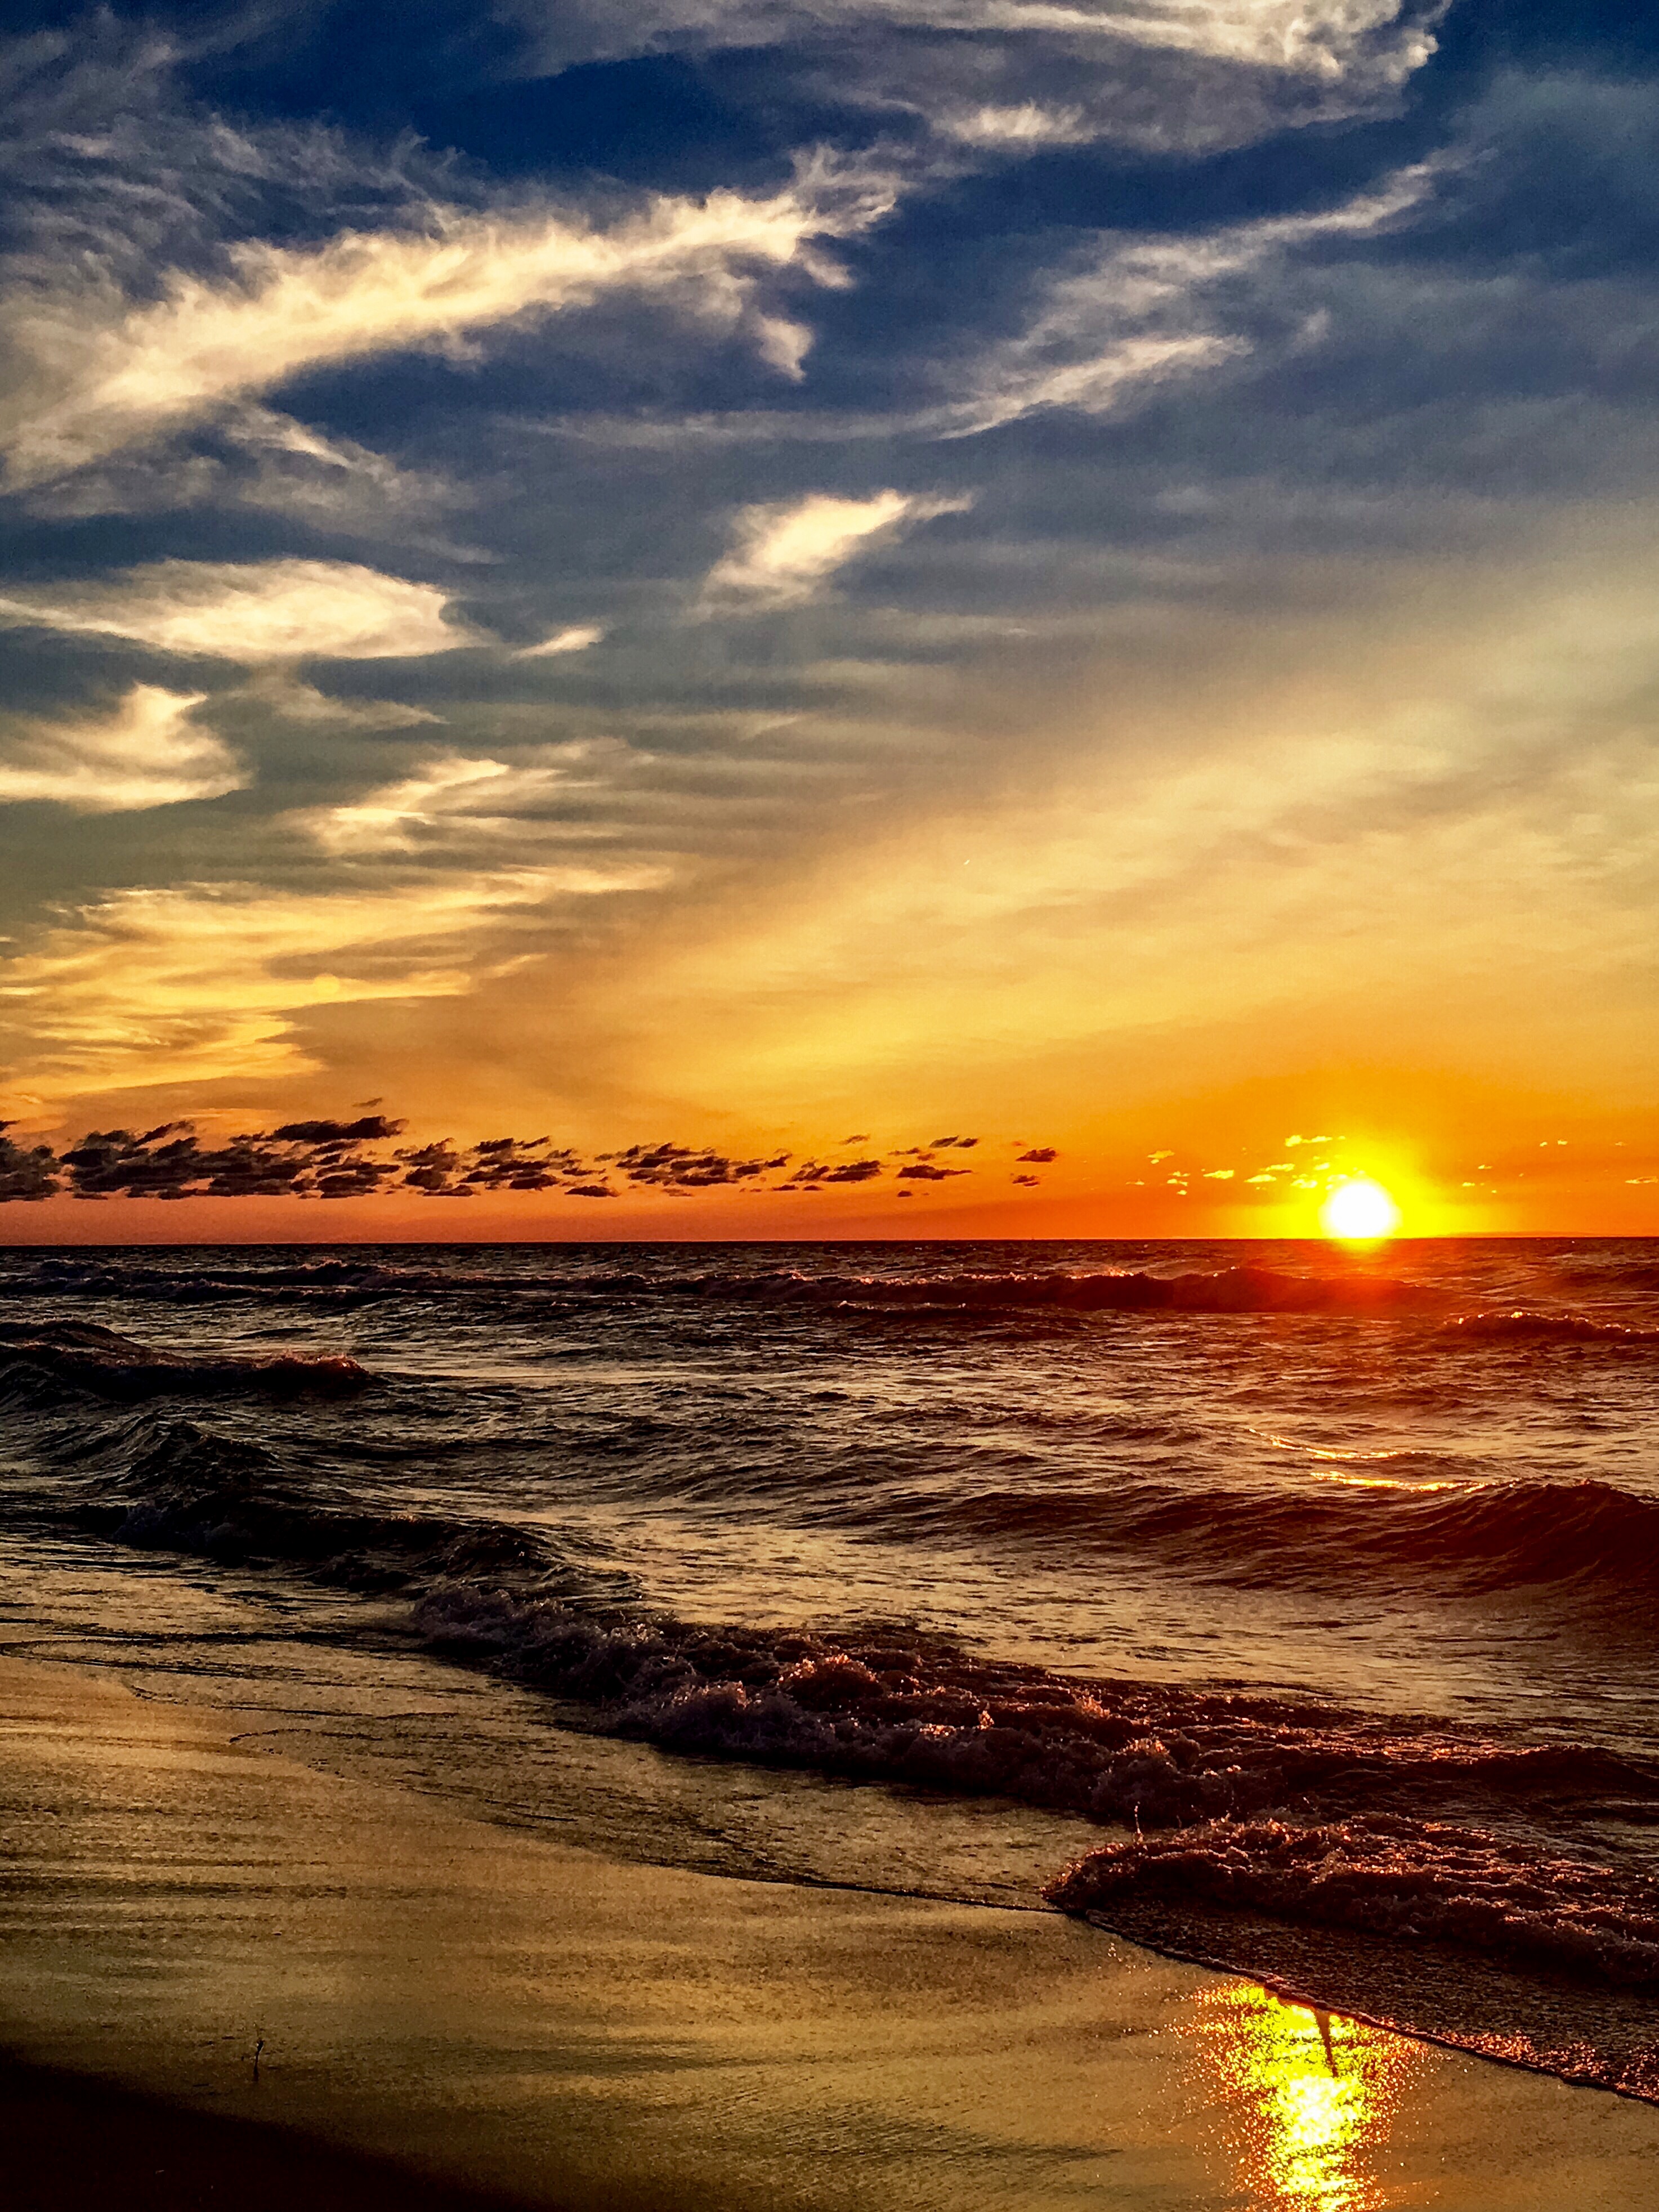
<point x="1159" y="74"/>
<point x="26" y="1171"/>
<point x="1129" y="315"/>
<point x="336" y="1159"/>
<point x="454" y="796"/>
<point x="817" y="1174"/>
<point x="100" y="374"/>
<point x="449" y="789"/>
<point x="275" y="462"/>
<point x="686" y="1168"/>
<point x="782" y="552"/>
<point x="363" y="1131"/>
<point x="1026" y="126"/>
<point x="303" y="1159"/>
<point x="1132" y="313"/>
<point x="251" y="457"/>
<point x="221" y="970"/>
<point x="330" y="1159"/>
<point x="253" y="611"/>
<point x="282" y="691"/>
<point x="104" y="150"/>
<point x="1323" y="37"/>
<point x="146" y="753"/>
<point x="1405" y="773"/>
<point x="493" y="1164"/>
<point x="576" y="639"/>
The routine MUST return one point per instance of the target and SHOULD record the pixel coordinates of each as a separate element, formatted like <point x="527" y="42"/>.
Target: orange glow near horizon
<point x="1371" y="1159"/>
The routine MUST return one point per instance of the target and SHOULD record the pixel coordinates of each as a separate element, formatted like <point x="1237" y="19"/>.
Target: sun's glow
<point x="1359" y="1213"/>
<point x="1302" y="2100"/>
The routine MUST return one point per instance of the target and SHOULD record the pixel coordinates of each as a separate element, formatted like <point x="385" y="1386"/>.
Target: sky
<point x="809" y="618"/>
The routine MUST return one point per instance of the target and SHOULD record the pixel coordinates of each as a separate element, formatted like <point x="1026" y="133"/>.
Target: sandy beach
<point x="448" y="2011"/>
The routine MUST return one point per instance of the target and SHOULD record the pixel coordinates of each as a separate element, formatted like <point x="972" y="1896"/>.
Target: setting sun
<point x="1359" y="1213"/>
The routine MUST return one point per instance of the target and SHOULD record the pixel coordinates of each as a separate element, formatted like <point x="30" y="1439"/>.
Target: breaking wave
<point x="1283" y="1836"/>
<point x="1485" y="1536"/>
<point x="1407" y="1879"/>
<point x="171" y="1485"/>
<point x="344" y="1284"/>
<point x="1526" y="1325"/>
<point x="331" y="1284"/>
<point x="1239" y="1290"/>
<point x="1245" y="1289"/>
<point x="38" y="1363"/>
<point x="891" y="1704"/>
<point x="885" y="1703"/>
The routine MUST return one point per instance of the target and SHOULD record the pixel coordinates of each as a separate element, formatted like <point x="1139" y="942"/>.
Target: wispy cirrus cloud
<point x="280" y="689"/>
<point x="453" y="797"/>
<point x="1161" y="73"/>
<point x="254" y="459"/>
<point x="147" y="752"/>
<point x="1102" y="329"/>
<point x="99" y="373"/>
<point x="222" y="971"/>
<point x="253" y="611"/>
<point x="1319" y="36"/>
<point x="1132" y="313"/>
<point x="575" y="638"/>
<point x="784" y="551"/>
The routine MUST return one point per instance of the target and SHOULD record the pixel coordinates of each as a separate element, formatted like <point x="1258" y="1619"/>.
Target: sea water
<point x="1282" y="1605"/>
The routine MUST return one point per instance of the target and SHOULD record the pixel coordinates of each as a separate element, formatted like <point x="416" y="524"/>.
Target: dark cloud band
<point x="324" y="1159"/>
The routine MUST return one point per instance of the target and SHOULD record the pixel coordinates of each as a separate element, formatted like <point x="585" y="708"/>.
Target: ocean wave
<point x="1238" y="1290"/>
<point x="1479" y="1537"/>
<point x="888" y="1703"/>
<point x="330" y="1283"/>
<point x="1409" y="1881"/>
<point x="175" y="1485"/>
<point x="1245" y="1289"/>
<point x="536" y="1604"/>
<point x="894" y="1705"/>
<point x="37" y="1363"/>
<point x="1612" y="1271"/>
<point x="1265" y="1823"/>
<point x="1530" y="1324"/>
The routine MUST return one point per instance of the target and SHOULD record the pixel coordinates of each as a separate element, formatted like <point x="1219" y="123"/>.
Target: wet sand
<point x="447" y="2012"/>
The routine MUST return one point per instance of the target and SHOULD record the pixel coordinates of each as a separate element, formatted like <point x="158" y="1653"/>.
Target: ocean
<point x="1284" y="1607"/>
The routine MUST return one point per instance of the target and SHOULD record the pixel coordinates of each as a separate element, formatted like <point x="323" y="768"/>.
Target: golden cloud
<point x="147" y="752"/>
<point x="254" y="612"/>
<point x="106" y="374"/>
<point x="782" y="552"/>
<point x="199" y="982"/>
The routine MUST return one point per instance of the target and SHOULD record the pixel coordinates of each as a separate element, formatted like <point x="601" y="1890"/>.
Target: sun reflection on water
<point x="1307" y="2096"/>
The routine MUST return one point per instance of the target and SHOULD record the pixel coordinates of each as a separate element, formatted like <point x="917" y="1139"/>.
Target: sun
<point x="1359" y="1213"/>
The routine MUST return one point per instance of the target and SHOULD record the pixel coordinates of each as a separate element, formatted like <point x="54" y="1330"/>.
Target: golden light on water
<point x="1307" y="2097"/>
<point x="1360" y="1212"/>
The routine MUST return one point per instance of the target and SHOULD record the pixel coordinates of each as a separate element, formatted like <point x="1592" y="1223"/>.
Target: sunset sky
<point x="796" y="579"/>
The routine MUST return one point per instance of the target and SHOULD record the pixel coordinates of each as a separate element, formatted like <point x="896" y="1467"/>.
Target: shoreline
<point x="466" y="2015"/>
